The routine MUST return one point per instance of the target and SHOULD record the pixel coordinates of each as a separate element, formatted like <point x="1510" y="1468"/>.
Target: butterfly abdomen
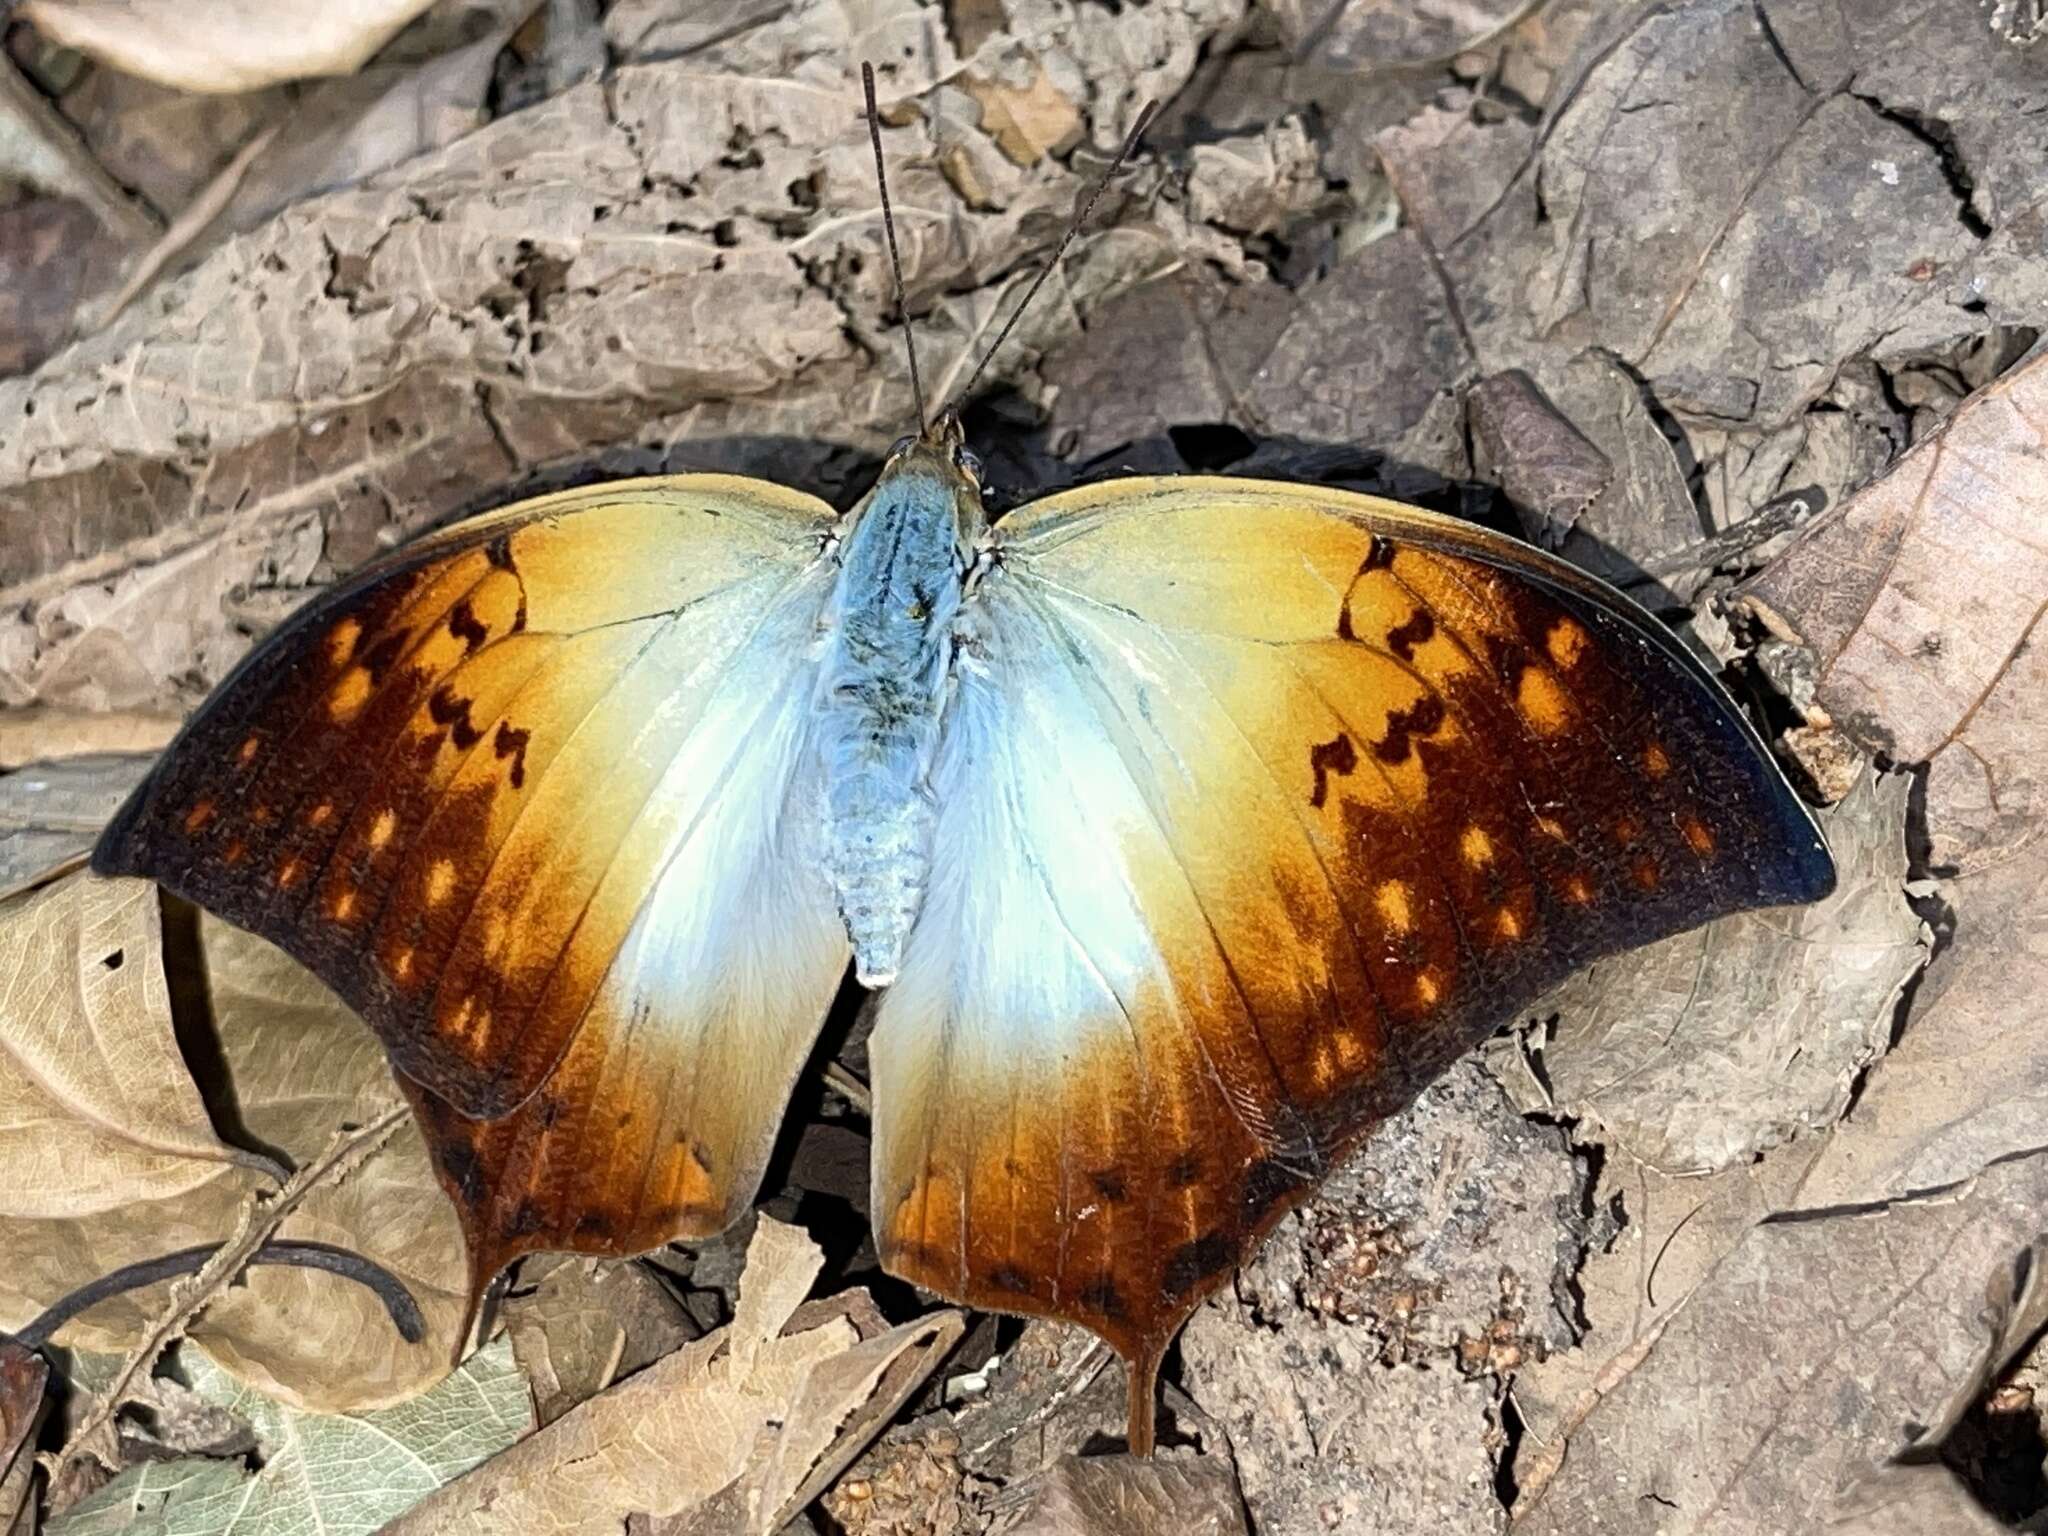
<point x="881" y="693"/>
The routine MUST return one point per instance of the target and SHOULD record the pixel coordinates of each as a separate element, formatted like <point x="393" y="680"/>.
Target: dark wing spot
<point x="1008" y="1279"/>
<point x="1110" y="1184"/>
<point x="458" y="1160"/>
<point x="1510" y="660"/>
<point x="1102" y="1296"/>
<point x="1415" y="630"/>
<point x="512" y="743"/>
<point x="1184" y="1170"/>
<point x="594" y="1224"/>
<point x="1336" y="756"/>
<point x="1192" y="1263"/>
<point x="526" y="1220"/>
<point x="1422" y="718"/>
<point x="465" y="626"/>
<point x="499" y="552"/>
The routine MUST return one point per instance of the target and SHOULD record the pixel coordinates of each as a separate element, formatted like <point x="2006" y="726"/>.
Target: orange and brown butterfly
<point x="1189" y="826"/>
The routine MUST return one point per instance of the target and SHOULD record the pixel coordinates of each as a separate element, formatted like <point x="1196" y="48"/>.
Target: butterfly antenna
<point x="1074" y="226"/>
<point x="867" y="80"/>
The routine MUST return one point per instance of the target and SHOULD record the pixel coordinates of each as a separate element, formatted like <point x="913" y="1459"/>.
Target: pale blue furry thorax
<point x="882" y="690"/>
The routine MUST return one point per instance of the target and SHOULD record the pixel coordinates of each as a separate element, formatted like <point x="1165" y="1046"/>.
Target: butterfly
<point x="1186" y="827"/>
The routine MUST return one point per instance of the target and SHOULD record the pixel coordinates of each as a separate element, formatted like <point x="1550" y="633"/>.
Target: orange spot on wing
<point x="1542" y="702"/>
<point x="401" y="964"/>
<point x="440" y="881"/>
<point x="1550" y="827"/>
<point x="343" y="906"/>
<point x="1428" y="990"/>
<point x="235" y="852"/>
<point x="1578" y="890"/>
<point x="321" y="814"/>
<point x="289" y="871"/>
<point x="1627" y="830"/>
<point x="349" y="695"/>
<point x="1476" y="846"/>
<point x="197" y="818"/>
<point x="1698" y="835"/>
<point x="1566" y="641"/>
<point x="382" y="828"/>
<point x="341" y="640"/>
<point x="1643" y="870"/>
<point x="1656" y="761"/>
<point x="1506" y="924"/>
<point x="1392" y="900"/>
<point x="246" y="753"/>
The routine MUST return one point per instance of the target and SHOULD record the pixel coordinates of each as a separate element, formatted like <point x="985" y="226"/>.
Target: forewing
<point x="1259" y="805"/>
<point x="518" y="795"/>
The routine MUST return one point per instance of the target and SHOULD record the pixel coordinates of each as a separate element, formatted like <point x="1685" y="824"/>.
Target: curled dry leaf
<point x="50" y="813"/>
<point x="294" y="1066"/>
<point x="1923" y="596"/>
<point x="1699" y="1052"/>
<point x="1881" y="1313"/>
<point x="224" y="45"/>
<point x="343" y="1474"/>
<point x="97" y="1110"/>
<point x="751" y="1405"/>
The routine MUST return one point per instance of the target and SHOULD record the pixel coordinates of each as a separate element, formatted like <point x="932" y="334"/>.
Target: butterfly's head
<point x="936" y="464"/>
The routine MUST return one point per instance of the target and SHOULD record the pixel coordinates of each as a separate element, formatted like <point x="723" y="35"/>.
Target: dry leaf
<point x="1699" y="1052"/>
<point x="224" y="45"/>
<point x="23" y="1375"/>
<point x="51" y="813"/>
<point x="1922" y="597"/>
<point x="748" y="1402"/>
<point x="1083" y="1496"/>
<point x="97" y="1111"/>
<point x="1876" y="1320"/>
<point x="39" y="735"/>
<point x="577" y="1325"/>
<point x="297" y="1066"/>
<point x="1027" y="123"/>
<point x="317" y="1474"/>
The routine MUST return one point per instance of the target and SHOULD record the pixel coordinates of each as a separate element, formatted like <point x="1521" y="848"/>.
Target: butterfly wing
<point x="1259" y="804"/>
<point x="528" y="795"/>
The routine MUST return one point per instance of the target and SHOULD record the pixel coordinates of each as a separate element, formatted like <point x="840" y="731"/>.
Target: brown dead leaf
<point x="1878" y="1316"/>
<point x="1081" y="1496"/>
<point x="1922" y="596"/>
<point x="51" y="813"/>
<point x="23" y="1375"/>
<point x="749" y="1404"/>
<point x="41" y="735"/>
<point x="1699" y="1052"/>
<point x="97" y="1110"/>
<point x="1027" y="122"/>
<point x="225" y="45"/>
<point x="296" y="1066"/>
<point x="578" y="1324"/>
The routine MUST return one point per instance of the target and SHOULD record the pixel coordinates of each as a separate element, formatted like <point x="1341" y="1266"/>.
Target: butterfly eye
<point x="900" y="445"/>
<point x="969" y="464"/>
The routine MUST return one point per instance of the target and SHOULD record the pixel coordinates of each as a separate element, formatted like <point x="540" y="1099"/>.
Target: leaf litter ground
<point x="1731" y="302"/>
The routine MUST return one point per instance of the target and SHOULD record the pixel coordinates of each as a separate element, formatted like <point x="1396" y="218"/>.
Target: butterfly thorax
<point x="882" y="690"/>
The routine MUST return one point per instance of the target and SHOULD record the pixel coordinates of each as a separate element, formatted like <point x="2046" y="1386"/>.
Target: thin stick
<point x="93" y="1440"/>
<point x="867" y="80"/>
<point x="1073" y="228"/>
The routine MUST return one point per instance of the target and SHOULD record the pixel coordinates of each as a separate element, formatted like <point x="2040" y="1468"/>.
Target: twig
<point x="71" y="169"/>
<point x="1765" y="523"/>
<point x="93" y="1439"/>
<point x="850" y="1088"/>
<point x="196" y="218"/>
<point x="366" y="1272"/>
